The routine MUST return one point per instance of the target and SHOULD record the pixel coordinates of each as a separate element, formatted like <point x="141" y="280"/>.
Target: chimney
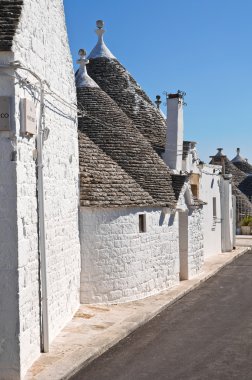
<point x="219" y="159"/>
<point x="175" y="131"/>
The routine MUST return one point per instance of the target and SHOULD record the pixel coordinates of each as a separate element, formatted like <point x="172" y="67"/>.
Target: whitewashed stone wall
<point x="227" y="214"/>
<point x="192" y="231"/>
<point x="9" y="326"/>
<point x="190" y="164"/>
<point x="195" y="242"/>
<point x="209" y="189"/>
<point x="120" y="264"/>
<point x="41" y="45"/>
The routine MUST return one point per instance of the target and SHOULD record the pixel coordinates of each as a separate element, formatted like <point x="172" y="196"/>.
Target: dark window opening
<point x="142" y="223"/>
<point x="214" y="207"/>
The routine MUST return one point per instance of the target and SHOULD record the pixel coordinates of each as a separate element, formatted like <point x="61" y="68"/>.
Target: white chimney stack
<point x="175" y="131"/>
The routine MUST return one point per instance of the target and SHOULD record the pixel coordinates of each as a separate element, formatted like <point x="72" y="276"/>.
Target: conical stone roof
<point x="103" y="183"/>
<point x="116" y="81"/>
<point x="242" y="183"/>
<point x="115" y="134"/>
<point x="241" y="163"/>
<point x="244" y="166"/>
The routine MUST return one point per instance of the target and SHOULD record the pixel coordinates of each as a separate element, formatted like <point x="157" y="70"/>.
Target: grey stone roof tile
<point x="230" y="168"/>
<point x="10" y="11"/>
<point x="244" y="166"/>
<point x="115" y="134"/>
<point x="115" y="80"/>
<point x="178" y="182"/>
<point x="243" y="205"/>
<point x="103" y="182"/>
<point x="246" y="186"/>
<point x="242" y="183"/>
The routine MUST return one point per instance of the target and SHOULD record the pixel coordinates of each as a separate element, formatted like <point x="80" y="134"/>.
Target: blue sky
<point x="200" y="46"/>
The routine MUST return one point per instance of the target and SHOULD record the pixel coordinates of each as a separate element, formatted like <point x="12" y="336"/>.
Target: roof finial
<point x="82" y="61"/>
<point x="158" y="101"/>
<point x="100" y="50"/>
<point x="82" y="78"/>
<point x="100" y="31"/>
<point x="100" y="24"/>
<point x="237" y="158"/>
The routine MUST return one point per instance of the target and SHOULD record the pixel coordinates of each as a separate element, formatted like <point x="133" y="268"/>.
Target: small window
<point x="142" y="223"/>
<point x="214" y="207"/>
<point x="194" y="189"/>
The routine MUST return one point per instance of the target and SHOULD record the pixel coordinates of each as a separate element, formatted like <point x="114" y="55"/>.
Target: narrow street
<point x="205" y="335"/>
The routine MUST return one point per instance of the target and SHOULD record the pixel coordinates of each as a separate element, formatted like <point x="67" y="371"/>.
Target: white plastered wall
<point x="41" y="45"/>
<point x="190" y="164"/>
<point x="120" y="264"/>
<point x="210" y="187"/>
<point x="9" y="326"/>
<point x="227" y="214"/>
<point x="192" y="257"/>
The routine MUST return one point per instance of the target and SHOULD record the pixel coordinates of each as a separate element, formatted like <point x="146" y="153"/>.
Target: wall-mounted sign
<point x="4" y="113"/>
<point x="28" y="122"/>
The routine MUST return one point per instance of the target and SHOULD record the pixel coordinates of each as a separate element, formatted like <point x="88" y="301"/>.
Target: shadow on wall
<point x="162" y="219"/>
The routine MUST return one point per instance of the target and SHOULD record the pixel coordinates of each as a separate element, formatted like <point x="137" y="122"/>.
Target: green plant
<point x="246" y="221"/>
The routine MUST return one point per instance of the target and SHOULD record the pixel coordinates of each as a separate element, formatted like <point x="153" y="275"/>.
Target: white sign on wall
<point x="4" y="113"/>
<point x="28" y="110"/>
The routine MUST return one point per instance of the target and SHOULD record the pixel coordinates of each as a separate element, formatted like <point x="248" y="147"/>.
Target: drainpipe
<point x="42" y="238"/>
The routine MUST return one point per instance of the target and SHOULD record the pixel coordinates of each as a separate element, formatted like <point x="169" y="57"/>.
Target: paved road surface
<point x="205" y="335"/>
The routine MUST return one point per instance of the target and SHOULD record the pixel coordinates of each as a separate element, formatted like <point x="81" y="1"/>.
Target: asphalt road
<point x="205" y="335"/>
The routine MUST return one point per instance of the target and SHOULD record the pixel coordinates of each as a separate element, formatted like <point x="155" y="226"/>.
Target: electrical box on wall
<point x="4" y="113"/>
<point x="28" y="117"/>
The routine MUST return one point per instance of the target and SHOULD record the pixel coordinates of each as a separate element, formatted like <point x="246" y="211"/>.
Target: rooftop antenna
<point x="179" y="94"/>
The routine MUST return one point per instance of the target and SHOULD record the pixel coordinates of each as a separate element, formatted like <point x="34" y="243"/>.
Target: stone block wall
<point x="209" y="189"/>
<point x="41" y="45"/>
<point x="119" y="263"/>
<point x="9" y="323"/>
<point x="195" y="242"/>
<point x="191" y="234"/>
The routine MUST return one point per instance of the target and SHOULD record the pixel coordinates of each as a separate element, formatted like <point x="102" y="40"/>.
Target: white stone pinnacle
<point x="100" y="50"/>
<point x="82" y="78"/>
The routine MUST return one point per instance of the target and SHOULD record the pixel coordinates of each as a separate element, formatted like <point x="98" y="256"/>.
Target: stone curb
<point x="82" y="356"/>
